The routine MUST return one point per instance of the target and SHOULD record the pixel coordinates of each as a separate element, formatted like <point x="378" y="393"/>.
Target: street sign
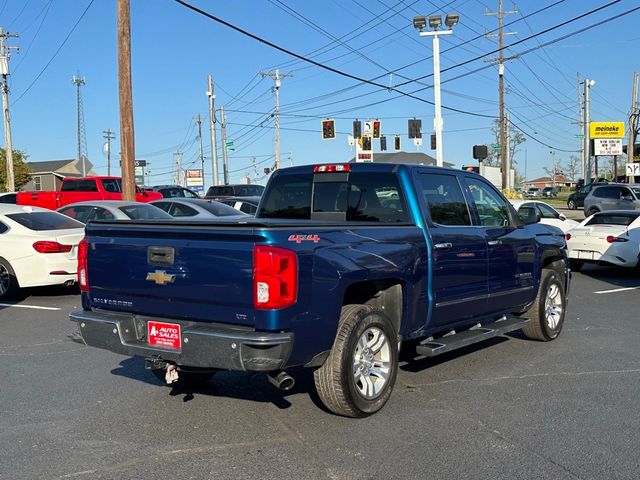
<point x="365" y="157"/>
<point x="368" y="129"/>
<point x="579" y="135"/>
<point x="633" y="169"/>
<point x="606" y="129"/>
<point x="497" y="148"/>
<point x="141" y="163"/>
<point x="607" y="146"/>
<point x="231" y="146"/>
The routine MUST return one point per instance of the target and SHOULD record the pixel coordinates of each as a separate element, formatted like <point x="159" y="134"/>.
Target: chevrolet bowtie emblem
<point x="160" y="277"/>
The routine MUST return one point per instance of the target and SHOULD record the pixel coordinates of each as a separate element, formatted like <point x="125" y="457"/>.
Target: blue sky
<point x="174" y="49"/>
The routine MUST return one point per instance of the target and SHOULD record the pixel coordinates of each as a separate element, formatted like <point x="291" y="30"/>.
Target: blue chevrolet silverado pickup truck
<point x="343" y="266"/>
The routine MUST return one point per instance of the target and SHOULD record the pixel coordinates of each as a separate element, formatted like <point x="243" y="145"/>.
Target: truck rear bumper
<point x="205" y="345"/>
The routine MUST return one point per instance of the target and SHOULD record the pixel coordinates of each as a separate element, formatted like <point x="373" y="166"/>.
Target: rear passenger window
<point x="444" y="197"/>
<point x="607" y="192"/>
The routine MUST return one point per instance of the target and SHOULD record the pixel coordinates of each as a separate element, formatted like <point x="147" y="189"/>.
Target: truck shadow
<point x="249" y="386"/>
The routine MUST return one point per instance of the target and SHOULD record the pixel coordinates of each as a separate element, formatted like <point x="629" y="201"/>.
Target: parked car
<point x="74" y="190"/>
<point x="612" y="196"/>
<point x="113" y="210"/>
<point x="549" y="192"/>
<point x="217" y="192"/>
<point x="175" y="191"/>
<point x="38" y="247"/>
<point x="247" y="205"/>
<point x="8" y="197"/>
<point x="576" y="199"/>
<point x="611" y="237"/>
<point x="198" y="208"/>
<point x="533" y="192"/>
<point x="548" y="214"/>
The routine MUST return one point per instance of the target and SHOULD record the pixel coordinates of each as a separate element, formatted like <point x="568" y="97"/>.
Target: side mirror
<point x="529" y="215"/>
<point x="562" y="217"/>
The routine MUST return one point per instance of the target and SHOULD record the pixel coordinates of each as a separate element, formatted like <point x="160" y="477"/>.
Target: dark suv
<point x="576" y="199"/>
<point x="216" y="192"/>
<point x="173" y="191"/>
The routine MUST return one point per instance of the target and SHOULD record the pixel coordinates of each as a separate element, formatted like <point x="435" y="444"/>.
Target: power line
<point x="55" y="53"/>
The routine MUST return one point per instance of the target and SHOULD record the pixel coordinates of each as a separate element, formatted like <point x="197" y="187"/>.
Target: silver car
<point x="612" y="196"/>
<point x="198" y="209"/>
<point x="112" y="210"/>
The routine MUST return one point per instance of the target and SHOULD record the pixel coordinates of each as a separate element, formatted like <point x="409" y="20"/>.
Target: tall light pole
<point x="435" y="22"/>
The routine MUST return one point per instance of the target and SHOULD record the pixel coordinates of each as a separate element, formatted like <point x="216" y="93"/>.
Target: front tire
<point x="546" y="316"/>
<point x="358" y="377"/>
<point x="8" y="282"/>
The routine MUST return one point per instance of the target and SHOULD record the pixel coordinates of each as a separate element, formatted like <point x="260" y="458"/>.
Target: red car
<point x="82" y="189"/>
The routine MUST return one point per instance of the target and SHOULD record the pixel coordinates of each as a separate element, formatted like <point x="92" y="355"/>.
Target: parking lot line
<point x="35" y="307"/>
<point x="615" y="290"/>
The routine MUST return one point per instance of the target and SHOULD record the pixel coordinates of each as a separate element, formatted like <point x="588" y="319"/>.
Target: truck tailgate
<point x="195" y="272"/>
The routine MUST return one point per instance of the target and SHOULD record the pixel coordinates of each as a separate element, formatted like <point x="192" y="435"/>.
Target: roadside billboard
<point x="194" y="180"/>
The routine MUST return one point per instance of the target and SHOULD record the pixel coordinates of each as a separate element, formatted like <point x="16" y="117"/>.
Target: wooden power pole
<point x="127" y="143"/>
<point x="633" y="122"/>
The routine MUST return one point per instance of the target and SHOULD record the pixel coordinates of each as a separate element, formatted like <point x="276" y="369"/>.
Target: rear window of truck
<point x="364" y="197"/>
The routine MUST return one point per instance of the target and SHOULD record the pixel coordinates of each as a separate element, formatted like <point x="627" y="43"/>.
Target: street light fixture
<point x="435" y="22"/>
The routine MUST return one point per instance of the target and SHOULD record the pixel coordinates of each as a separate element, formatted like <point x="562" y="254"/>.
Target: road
<point x="507" y="409"/>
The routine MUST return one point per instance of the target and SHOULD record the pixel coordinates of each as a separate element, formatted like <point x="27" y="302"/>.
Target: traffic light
<point x="366" y="144"/>
<point x="376" y="129"/>
<point x="480" y="152"/>
<point x="357" y="129"/>
<point x="328" y="129"/>
<point x="415" y="128"/>
<point x="433" y="141"/>
<point x="396" y="142"/>
<point x="383" y="143"/>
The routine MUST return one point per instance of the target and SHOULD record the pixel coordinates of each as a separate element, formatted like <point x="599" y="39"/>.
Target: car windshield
<point x="44" y="221"/>
<point x="624" y="219"/>
<point x="636" y="190"/>
<point x="144" y="212"/>
<point x="219" y="209"/>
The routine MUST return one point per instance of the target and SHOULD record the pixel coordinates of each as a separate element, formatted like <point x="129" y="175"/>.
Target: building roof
<point x="559" y="179"/>
<point x="414" y="158"/>
<point x="48" y="165"/>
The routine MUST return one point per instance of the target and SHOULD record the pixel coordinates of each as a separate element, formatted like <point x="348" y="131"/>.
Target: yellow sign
<point x="606" y="130"/>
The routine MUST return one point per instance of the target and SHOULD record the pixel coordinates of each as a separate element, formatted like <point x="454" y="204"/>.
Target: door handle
<point x="443" y="246"/>
<point x="494" y="243"/>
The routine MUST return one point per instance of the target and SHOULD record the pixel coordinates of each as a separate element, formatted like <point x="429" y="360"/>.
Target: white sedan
<point x="548" y="214"/>
<point x="610" y="237"/>
<point x="37" y="247"/>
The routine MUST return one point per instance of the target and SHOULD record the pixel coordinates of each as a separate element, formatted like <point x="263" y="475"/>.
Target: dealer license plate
<point x="164" y="335"/>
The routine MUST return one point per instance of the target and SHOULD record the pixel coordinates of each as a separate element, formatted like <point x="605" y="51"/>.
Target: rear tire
<point x="358" y="377"/>
<point x="571" y="205"/>
<point x="8" y="282"/>
<point x="546" y="315"/>
<point x="592" y="211"/>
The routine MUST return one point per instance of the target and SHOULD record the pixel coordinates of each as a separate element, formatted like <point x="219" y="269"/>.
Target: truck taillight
<point x="51" y="247"/>
<point x="275" y="277"/>
<point x="83" y="274"/>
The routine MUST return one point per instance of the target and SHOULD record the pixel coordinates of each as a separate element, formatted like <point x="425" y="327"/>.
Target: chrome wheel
<point x="5" y="280"/>
<point x="371" y="363"/>
<point x="553" y="306"/>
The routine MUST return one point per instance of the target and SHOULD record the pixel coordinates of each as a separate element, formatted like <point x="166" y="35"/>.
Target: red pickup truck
<point x="82" y="189"/>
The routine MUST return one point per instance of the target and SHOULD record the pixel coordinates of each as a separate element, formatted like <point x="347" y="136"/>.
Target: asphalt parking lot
<point x="507" y="409"/>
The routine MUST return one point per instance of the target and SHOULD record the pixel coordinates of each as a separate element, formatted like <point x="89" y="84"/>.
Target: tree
<point x="517" y="139"/>
<point x="21" y="172"/>
<point x="572" y="167"/>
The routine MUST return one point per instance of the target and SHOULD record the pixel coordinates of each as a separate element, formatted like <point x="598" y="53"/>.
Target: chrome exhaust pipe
<point x="281" y="380"/>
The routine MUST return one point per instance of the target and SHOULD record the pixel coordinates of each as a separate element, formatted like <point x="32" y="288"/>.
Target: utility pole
<point x="587" y="141"/>
<point x="633" y="121"/>
<point x="223" y="128"/>
<point x="108" y="135"/>
<point x="500" y="60"/>
<point x="199" y="122"/>
<point x="177" y="156"/>
<point x="581" y="126"/>
<point x="127" y="139"/>
<point x="9" y="183"/>
<point x="212" y="133"/>
<point x="277" y="78"/>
